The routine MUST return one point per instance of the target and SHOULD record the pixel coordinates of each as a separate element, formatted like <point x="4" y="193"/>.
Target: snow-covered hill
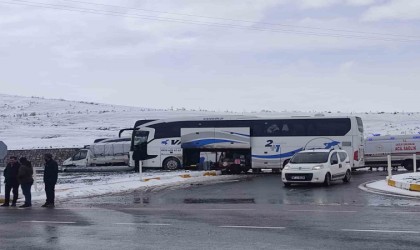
<point x="32" y="122"/>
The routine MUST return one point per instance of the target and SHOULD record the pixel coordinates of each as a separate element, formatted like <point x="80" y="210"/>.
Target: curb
<point x="189" y="175"/>
<point x="365" y="188"/>
<point x="403" y="185"/>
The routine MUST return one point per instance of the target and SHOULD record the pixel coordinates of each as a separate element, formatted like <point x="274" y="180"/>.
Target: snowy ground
<point x="27" y="123"/>
<point x="411" y="178"/>
<point x="76" y="185"/>
<point x="383" y="186"/>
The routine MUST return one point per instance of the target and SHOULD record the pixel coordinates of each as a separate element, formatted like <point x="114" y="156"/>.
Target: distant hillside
<point x="32" y="122"/>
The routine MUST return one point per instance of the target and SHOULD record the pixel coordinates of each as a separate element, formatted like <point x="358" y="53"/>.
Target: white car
<point x="317" y="166"/>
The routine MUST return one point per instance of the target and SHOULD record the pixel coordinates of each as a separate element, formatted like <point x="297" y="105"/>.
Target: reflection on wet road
<point x="249" y="212"/>
<point x="265" y="189"/>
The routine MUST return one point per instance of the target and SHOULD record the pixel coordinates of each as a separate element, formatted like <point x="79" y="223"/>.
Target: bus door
<point x="358" y="142"/>
<point x="141" y="149"/>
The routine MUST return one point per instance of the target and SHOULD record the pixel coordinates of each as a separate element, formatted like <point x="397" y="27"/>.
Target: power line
<point x="238" y="20"/>
<point x="185" y="21"/>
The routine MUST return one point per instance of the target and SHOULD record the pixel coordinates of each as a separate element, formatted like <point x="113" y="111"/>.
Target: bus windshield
<point x="140" y="137"/>
<point x="310" y="157"/>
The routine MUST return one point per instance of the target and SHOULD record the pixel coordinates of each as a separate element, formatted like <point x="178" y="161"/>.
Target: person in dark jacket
<point x="50" y="179"/>
<point x="25" y="179"/>
<point x="10" y="178"/>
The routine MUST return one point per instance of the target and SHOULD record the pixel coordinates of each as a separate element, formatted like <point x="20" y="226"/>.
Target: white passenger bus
<point x="249" y="142"/>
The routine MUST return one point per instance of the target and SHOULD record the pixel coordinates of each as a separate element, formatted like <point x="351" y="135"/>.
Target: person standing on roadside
<point x="10" y="178"/>
<point x="25" y="179"/>
<point x="50" y="179"/>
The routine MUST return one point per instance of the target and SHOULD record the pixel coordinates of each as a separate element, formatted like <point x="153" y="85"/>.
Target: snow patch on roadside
<point x="382" y="185"/>
<point x="85" y="185"/>
<point x="410" y="178"/>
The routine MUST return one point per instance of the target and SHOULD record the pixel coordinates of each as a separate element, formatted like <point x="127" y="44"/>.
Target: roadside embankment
<point x="77" y="185"/>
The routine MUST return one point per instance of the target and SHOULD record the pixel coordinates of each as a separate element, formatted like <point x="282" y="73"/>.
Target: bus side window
<point x="299" y="129"/>
<point x="311" y="130"/>
<point x="273" y="129"/>
<point x="285" y="128"/>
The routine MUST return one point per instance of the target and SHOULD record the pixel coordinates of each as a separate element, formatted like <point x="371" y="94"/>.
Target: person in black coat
<point x="25" y="179"/>
<point x="10" y="178"/>
<point x="50" y="179"/>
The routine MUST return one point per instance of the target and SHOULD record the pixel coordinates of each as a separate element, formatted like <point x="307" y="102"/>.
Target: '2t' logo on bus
<point x="274" y="147"/>
<point x="171" y="142"/>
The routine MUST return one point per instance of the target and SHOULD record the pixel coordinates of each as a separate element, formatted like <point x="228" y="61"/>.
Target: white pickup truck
<point x="400" y="147"/>
<point x="108" y="152"/>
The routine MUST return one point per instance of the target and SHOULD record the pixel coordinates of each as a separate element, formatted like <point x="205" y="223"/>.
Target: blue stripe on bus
<point x="284" y="155"/>
<point x="203" y="142"/>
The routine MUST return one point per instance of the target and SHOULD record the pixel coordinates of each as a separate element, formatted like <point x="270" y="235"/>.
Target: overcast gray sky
<point x="339" y="55"/>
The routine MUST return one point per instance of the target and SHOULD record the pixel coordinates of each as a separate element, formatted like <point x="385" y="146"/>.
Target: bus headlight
<point x="318" y="167"/>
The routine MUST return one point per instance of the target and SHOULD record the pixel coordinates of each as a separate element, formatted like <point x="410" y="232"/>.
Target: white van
<point x="317" y="166"/>
<point x="109" y="152"/>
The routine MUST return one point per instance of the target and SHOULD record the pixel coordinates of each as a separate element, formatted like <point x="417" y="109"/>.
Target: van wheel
<point x="347" y="177"/>
<point x="286" y="184"/>
<point x="171" y="163"/>
<point x="408" y="164"/>
<point x="327" y="181"/>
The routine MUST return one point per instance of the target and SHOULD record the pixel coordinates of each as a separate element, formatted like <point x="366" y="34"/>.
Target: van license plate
<point x="298" y="177"/>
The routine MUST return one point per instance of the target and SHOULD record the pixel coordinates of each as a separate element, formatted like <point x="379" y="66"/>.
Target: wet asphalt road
<point x="246" y="212"/>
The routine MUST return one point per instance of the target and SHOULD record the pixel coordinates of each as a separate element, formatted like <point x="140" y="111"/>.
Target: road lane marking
<point x="252" y="227"/>
<point x="380" y="231"/>
<point x="192" y="209"/>
<point x="51" y="222"/>
<point x="78" y="208"/>
<point x="143" y="224"/>
<point x="227" y="209"/>
<point x="324" y="211"/>
<point x="407" y="212"/>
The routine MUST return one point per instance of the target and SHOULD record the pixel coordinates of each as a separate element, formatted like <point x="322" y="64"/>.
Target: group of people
<point x="20" y="172"/>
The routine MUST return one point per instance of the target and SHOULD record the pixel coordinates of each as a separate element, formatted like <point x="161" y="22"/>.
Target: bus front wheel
<point x="171" y="163"/>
